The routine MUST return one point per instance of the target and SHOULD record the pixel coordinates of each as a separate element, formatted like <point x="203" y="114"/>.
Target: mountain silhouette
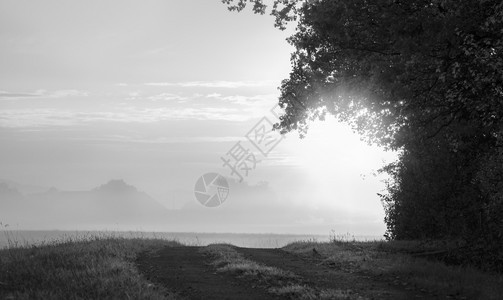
<point x="116" y="186"/>
<point x="23" y="188"/>
<point x="107" y="205"/>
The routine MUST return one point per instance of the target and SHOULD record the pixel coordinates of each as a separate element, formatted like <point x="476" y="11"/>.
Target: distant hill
<point x="115" y="202"/>
<point x="23" y="188"/>
<point x="117" y="205"/>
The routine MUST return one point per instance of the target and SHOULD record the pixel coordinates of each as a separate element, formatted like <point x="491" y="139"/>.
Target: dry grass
<point x="390" y="260"/>
<point x="92" y="267"/>
<point x="275" y="280"/>
<point x="229" y="260"/>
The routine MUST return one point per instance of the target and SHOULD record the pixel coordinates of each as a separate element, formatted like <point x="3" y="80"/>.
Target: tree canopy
<point x="424" y="77"/>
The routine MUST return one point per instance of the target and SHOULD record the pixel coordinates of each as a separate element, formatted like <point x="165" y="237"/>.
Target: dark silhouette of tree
<point x="423" y="77"/>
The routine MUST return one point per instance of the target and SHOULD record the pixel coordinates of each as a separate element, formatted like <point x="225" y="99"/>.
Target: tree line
<point x="421" y="77"/>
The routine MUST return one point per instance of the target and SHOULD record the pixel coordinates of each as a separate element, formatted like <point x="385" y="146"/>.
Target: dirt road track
<point x="186" y="271"/>
<point x="321" y="276"/>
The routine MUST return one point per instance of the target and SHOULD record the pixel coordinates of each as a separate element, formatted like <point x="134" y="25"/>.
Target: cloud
<point x="214" y="84"/>
<point x="168" y="97"/>
<point x="15" y="118"/>
<point x="214" y="95"/>
<point x="133" y="95"/>
<point x="67" y="93"/>
<point x="166" y="140"/>
<point x="21" y="118"/>
<point x="21" y="95"/>
<point x="269" y="99"/>
<point x="205" y="113"/>
<point x="171" y="97"/>
<point x="4" y="95"/>
<point x="154" y="108"/>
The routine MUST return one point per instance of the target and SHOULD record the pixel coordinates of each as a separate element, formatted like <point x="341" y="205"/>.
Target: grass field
<point x="392" y="261"/>
<point x="93" y="267"/>
<point x="103" y="267"/>
<point x="275" y="280"/>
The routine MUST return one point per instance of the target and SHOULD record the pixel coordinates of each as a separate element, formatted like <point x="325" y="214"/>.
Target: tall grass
<point x="84" y="267"/>
<point x="391" y="261"/>
<point x="277" y="281"/>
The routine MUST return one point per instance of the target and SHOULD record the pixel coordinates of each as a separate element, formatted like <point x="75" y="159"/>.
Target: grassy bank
<point x="103" y="267"/>
<point x="275" y="280"/>
<point x="392" y="261"/>
<point x="93" y="267"/>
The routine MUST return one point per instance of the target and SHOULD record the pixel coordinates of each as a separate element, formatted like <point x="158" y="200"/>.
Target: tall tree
<point x="424" y="77"/>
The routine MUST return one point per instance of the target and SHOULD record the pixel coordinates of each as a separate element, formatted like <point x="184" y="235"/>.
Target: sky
<point x="158" y="93"/>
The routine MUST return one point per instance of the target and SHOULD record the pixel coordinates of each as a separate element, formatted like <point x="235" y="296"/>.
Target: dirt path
<point x="324" y="277"/>
<point x="186" y="271"/>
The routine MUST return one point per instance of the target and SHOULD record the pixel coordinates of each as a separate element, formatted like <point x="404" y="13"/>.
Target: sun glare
<point x="340" y="165"/>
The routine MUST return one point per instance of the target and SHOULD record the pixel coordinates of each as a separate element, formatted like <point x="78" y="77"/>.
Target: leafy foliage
<point x="424" y="77"/>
